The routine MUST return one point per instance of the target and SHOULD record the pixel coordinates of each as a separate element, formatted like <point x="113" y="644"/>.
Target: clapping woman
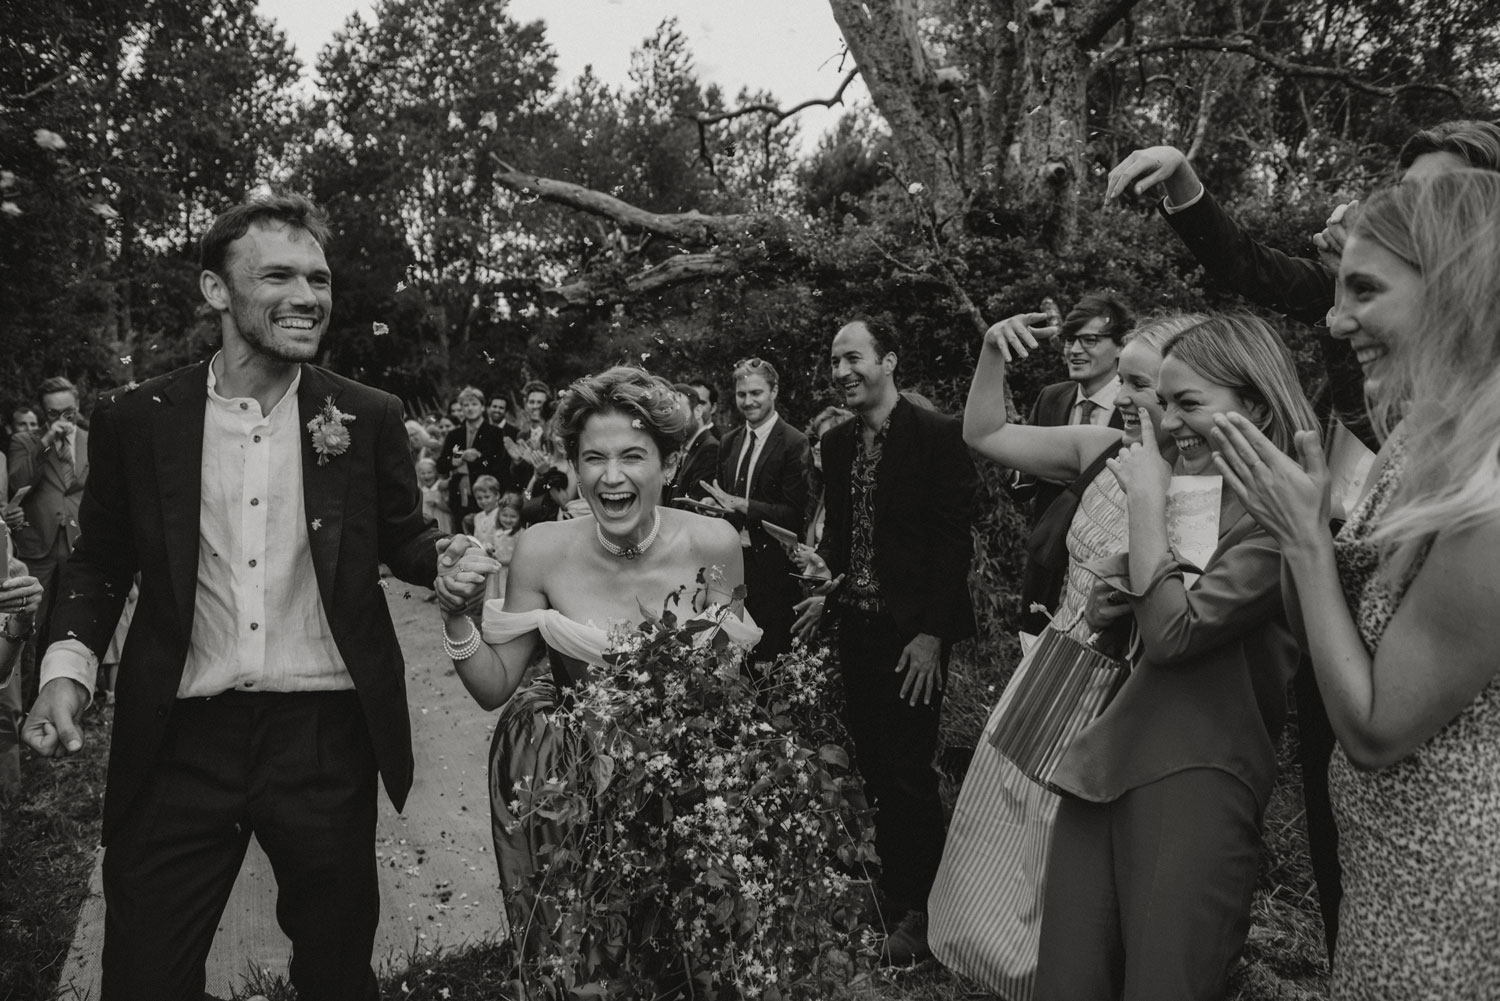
<point x="1155" y="852"/>
<point x="1400" y="609"/>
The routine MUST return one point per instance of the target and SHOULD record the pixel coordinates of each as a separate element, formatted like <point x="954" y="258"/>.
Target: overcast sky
<point x="790" y="47"/>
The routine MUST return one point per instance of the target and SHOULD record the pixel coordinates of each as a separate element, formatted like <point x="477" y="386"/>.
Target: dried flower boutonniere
<point x="330" y="435"/>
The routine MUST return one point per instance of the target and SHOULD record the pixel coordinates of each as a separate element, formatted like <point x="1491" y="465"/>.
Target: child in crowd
<point x="487" y="496"/>
<point x="434" y="496"/>
<point x="507" y="531"/>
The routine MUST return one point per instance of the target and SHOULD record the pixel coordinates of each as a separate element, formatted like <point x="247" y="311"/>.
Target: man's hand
<point x="20" y="596"/>
<point x="462" y="569"/>
<point x="809" y="615"/>
<point x="920" y="660"/>
<point x="724" y="498"/>
<point x="1164" y="165"/>
<point x="52" y="725"/>
<point x="1017" y="336"/>
<point x="470" y="455"/>
<point x="15" y="518"/>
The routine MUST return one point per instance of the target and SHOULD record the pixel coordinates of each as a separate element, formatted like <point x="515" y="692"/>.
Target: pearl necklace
<point x="629" y="552"/>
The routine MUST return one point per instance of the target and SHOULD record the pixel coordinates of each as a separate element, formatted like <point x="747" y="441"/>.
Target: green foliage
<point x="709" y="836"/>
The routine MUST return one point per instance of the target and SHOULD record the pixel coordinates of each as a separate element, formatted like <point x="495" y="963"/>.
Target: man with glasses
<point x="763" y="478"/>
<point x="53" y="462"/>
<point x="1090" y="339"/>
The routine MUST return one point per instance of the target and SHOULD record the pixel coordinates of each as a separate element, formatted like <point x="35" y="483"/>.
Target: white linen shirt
<point x="258" y="618"/>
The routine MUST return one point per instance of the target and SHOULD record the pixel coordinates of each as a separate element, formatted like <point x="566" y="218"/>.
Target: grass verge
<point x="47" y="853"/>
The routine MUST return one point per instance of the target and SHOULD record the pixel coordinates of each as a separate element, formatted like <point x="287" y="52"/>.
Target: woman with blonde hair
<point x="1156" y="849"/>
<point x="985" y="907"/>
<point x="1399" y="610"/>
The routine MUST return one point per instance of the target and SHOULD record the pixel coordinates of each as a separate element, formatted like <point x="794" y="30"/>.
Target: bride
<point x="570" y="581"/>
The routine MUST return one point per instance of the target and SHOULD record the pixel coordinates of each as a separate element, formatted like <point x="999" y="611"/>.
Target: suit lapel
<point x="893" y="457"/>
<point x="177" y="431"/>
<point x="774" y="439"/>
<point x="325" y="488"/>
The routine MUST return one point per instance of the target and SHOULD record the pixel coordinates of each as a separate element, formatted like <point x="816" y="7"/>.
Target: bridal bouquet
<point x="714" y="836"/>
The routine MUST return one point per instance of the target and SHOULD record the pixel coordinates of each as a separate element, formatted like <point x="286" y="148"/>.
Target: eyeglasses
<point x="1086" y="341"/>
<point x="69" y="413"/>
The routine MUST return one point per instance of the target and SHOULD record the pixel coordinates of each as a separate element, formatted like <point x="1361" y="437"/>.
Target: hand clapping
<point x="1290" y="499"/>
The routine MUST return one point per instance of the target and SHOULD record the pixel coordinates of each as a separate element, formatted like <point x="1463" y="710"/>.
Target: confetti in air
<point x="379" y="329"/>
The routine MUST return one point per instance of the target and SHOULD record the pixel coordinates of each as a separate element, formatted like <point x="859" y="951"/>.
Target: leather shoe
<point x="908" y="943"/>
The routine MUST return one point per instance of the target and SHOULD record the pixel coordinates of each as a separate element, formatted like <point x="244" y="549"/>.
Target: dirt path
<point x="437" y="870"/>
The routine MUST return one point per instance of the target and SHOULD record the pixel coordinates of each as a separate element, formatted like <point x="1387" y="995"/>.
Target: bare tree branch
<point x="777" y="116"/>
<point x="1248" y="47"/>
<point x="677" y="270"/>
<point x="693" y="228"/>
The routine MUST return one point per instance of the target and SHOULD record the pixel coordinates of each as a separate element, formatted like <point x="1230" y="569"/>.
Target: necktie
<point x="1086" y="409"/>
<point x="742" y="478"/>
<point x="64" y="449"/>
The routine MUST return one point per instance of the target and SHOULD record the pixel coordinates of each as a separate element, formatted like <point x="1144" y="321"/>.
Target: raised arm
<point x="1053" y="453"/>
<point x="493" y="672"/>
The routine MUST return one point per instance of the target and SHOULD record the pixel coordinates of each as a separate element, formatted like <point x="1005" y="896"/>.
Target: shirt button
<point x="252" y="563"/>
<point x="257" y="439"/>
<point x="254" y="626"/>
<point x="244" y="406"/>
<point x="254" y="501"/>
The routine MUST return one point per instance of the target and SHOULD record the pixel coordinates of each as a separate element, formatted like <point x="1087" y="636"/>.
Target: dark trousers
<point x="1314" y="747"/>
<point x="298" y="771"/>
<point x="770" y="594"/>
<point x="894" y="743"/>
<point x="1148" y="897"/>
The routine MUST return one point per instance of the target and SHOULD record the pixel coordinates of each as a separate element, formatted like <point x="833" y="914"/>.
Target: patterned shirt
<point x="863" y="590"/>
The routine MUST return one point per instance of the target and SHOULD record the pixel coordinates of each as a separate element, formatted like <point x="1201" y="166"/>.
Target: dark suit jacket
<point x="698" y="463"/>
<point x="140" y="512"/>
<point x="493" y="460"/>
<point x="924" y="505"/>
<point x="50" y="507"/>
<point x="1053" y="408"/>
<point x="1297" y="287"/>
<point x="778" y="481"/>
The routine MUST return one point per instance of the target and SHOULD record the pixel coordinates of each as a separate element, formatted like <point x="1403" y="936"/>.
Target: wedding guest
<point x="54" y="464"/>
<point x="473" y="449"/>
<point x="698" y="460"/>
<point x="534" y="398"/>
<point x="763" y="478"/>
<point x="261" y="689"/>
<point x="503" y="542"/>
<point x="1157" y="843"/>
<point x="20" y="597"/>
<point x="986" y="901"/>
<point x="498" y="414"/>
<point x="900" y="497"/>
<point x="421" y="444"/>
<point x="826" y="420"/>
<point x="434" y="496"/>
<point x="1090" y="337"/>
<point x="551" y="493"/>
<point x="708" y="395"/>
<point x="487" y="494"/>
<point x="1399" y="610"/>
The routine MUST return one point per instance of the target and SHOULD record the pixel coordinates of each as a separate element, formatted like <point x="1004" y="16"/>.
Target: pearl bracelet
<point x="465" y="649"/>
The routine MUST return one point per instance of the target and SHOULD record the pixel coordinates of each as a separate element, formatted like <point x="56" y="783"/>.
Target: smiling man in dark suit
<point x="699" y="458"/>
<point x="763" y="478"/>
<point x="900" y="488"/>
<point x="261" y="689"/>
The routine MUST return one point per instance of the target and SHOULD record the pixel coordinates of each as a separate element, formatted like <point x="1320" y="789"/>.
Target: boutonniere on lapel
<point x="330" y="434"/>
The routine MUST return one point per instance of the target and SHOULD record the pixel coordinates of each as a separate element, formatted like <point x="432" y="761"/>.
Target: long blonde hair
<point x="1445" y="387"/>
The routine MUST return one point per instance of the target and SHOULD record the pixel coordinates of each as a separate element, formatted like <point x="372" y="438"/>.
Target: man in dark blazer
<point x="261" y="689"/>
<point x="763" y="478"/>
<point x="473" y="449"/>
<point x="1090" y="336"/>
<point x="900" y="491"/>
<point x="699" y="458"/>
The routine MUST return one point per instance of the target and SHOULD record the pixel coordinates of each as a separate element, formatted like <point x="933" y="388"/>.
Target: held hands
<point x="462" y="568"/>
<point x="1141" y="470"/>
<point x="51" y="728"/>
<point x="921" y="662"/>
<point x="1164" y="165"/>
<point x="1288" y="498"/>
<point x="1017" y="336"/>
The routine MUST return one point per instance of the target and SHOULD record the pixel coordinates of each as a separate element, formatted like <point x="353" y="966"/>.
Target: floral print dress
<point x="1420" y="840"/>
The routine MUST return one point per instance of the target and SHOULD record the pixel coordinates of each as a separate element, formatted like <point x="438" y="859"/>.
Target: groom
<point x="261" y="688"/>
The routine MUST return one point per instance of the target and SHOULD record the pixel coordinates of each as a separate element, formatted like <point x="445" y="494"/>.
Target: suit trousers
<point x="1148" y="896"/>
<point x="298" y="771"/>
<point x="894" y="744"/>
<point x="771" y="594"/>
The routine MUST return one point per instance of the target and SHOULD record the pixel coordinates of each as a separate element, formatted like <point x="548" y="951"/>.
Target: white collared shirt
<point x="258" y="618"/>
<point x="755" y="442"/>
<point x="1103" y="400"/>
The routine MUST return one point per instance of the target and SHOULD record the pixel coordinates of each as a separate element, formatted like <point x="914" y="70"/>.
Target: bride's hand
<point x="463" y="566"/>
